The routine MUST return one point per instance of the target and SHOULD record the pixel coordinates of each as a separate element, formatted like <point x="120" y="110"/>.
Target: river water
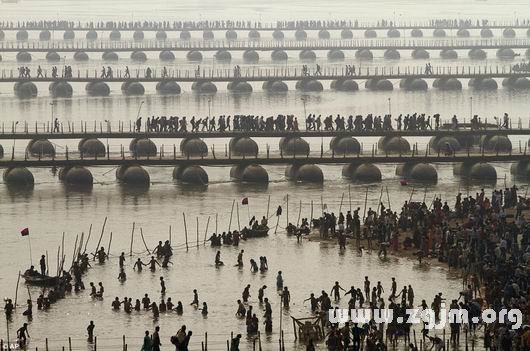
<point x="51" y="209"/>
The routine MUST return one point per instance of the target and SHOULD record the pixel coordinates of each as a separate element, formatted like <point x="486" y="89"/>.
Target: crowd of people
<point x="243" y="24"/>
<point x="313" y="122"/>
<point x="487" y="238"/>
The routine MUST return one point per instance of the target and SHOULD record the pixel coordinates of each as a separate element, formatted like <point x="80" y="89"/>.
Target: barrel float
<point x="307" y="55"/>
<point x="304" y="173"/>
<point x="223" y="55"/>
<point x="207" y="35"/>
<point x="420" y="54"/>
<point x="166" y="56"/>
<point x="486" y="33"/>
<point x="364" y="172"/>
<point x="138" y="56"/>
<point x="279" y="55"/>
<point x="508" y="33"/>
<point x="393" y="33"/>
<point x="463" y="33"/>
<point x="53" y="56"/>
<point x="138" y="35"/>
<point x="40" y="148"/>
<point x="393" y="145"/>
<point x="133" y="175"/>
<point x="76" y="175"/>
<point x="300" y="34"/>
<point x="191" y="175"/>
<point x="26" y="90"/>
<point x="482" y="172"/>
<point x="231" y="34"/>
<point x="44" y="35"/>
<point x="23" y="57"/>
<point x="439" y="33"/>
<point x="142" y="147"/>
<point x="22" y="35"/>
<point x="250" y="174"/>
<point x="278" y="35"/>
<point x="115" y="35"/>
<point x="133" y="88"/>
<point x="335" y="55"/>
<point x="91" y="147"/>
<point x="168" y="87"/>
<point x="91" y="35"/>
<point x="185" y="35"/>
<point x="294" y="146"/>
<point x="392" y="54"/>
<point x="344" y="146"/>
<point x="346" y="34"/>
<point x="161" y="35"/>
<point x="477" y="54"/>
<point x="370" y="33"/>
<point x="97" y="89"/>
<point x="61" y="89"/>
<point x="323" y="34"/>
<point x="416" y="33"/>
<point x="364" y="54"/>
<point x="449" y="54"/>
<point x="110" y="56"/>
<point x="254" y="35"/>
<point x="18" y="176"/>
<point x="250" y="56"/>
<point x="80" y="56"/>
<point x="204" y="87"/>
<point x="193" y="147"/>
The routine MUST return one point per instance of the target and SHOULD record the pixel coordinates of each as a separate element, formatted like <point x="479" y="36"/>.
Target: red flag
<point x="24" y="232"/>
<point x="244" y="201"/>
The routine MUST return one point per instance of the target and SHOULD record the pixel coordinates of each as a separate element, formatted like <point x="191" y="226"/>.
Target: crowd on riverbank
<point x="487" y="238"/>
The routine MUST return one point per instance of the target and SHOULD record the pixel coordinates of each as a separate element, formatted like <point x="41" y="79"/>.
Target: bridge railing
<point x="283" y="72"/>
<point x="317" y="44"/>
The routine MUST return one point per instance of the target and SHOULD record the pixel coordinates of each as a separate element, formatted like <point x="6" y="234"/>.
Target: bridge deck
<point x="99" y="130"/>
<point x="273" y="26"/>
<point x="174" y="159"/>
<point x="263" y="45"/>
<point x="288" y="73"/>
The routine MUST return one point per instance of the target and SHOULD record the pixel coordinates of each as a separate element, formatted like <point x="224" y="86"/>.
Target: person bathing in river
<point x="240" y="259"/>
<point x="138" y="265"/>
<point x="253" y="266"/>
<point x="218" y="261"/>
<point x="152" y="264"/>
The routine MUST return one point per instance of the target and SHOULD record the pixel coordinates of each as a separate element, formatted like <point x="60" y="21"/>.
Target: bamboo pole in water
<point x="16" y="291"/>
<point x="231" y="213"/>
<point x="365" y="203"/>
<point x="238" y="223"/>
<point x="88" y="238"/>
<point x="100" y="237"/>
<point x="197" y="232"/>
<point x="110" y="242"/>
<point x="299" y="214"/>
<point x="349" y="195"/>
<point x="206" y="230"/>
<point x="341" y="199"/>
<point x="185" y="230"/>
<point x="287" y="212"/>
<point x="268" y="207"/>
<point x="388" y="198"/>
<point x="132" y="239"/>
<point x="143" y="239"/>
<point x="170" y="235"/>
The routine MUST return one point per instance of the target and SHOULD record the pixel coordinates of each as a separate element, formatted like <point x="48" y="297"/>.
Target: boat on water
<point x="40" y="280"/>
<point x="257" y="232"/>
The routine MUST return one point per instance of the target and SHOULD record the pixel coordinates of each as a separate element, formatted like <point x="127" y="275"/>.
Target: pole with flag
<point x="25" y="232"/>
<point x="244" y="202"/>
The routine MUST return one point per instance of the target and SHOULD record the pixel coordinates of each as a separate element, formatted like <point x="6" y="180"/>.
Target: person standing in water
<point x="147" y="345"/>
<point x="90" y="331"/>
<point x="279" y="281"/>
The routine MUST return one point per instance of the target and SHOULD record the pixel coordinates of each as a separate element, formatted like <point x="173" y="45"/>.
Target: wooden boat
<point x="259" y="232"/>
<point x="40" y="280"/>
